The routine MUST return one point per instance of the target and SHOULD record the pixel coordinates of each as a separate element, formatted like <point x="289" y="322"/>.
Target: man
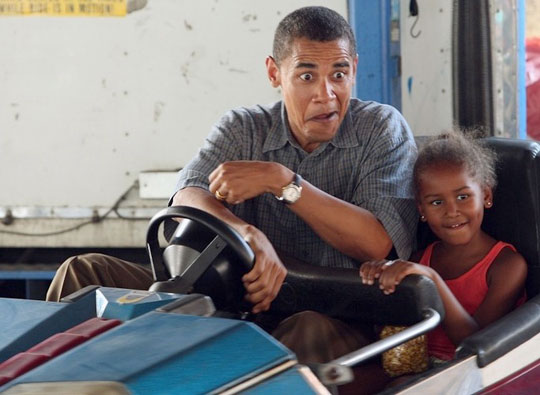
<point x="318" y="177"/>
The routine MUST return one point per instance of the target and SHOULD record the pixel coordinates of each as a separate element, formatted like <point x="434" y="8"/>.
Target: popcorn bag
<point x="407" y="358"/>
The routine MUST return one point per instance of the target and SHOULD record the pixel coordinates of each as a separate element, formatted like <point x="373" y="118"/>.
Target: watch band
<point x="296" y="180"/>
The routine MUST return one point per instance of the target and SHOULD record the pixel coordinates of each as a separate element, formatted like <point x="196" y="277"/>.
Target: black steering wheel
<point x="208" y="256"/>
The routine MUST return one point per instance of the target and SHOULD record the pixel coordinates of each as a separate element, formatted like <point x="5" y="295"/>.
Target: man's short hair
<point x="314" y="23"/>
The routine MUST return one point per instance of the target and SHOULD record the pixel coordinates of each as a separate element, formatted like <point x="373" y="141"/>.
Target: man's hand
<point x="264" y="281"/>
<point x="238" y="181"/>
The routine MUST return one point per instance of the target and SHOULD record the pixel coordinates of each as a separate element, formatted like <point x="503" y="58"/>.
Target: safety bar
<point x="431" y="319"/>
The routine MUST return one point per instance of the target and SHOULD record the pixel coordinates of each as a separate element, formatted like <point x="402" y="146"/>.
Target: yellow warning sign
<point x="63" y="7"/>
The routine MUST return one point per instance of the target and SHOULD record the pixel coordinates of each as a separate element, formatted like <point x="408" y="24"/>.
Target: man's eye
<point x="436" y="202"/>
<point x="306" y="76"/>
<point x="462" y="197"/>
<point x="339" y="75"/>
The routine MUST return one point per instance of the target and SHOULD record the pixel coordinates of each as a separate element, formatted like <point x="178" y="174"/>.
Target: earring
<point x="488" y="204"/>
<point x="423" y="218"/>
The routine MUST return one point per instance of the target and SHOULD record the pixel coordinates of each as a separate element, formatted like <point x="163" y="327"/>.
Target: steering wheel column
<point x="205" y="255"/>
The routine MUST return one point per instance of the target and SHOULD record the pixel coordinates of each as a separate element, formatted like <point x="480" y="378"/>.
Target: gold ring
<point x="219" y="196"/>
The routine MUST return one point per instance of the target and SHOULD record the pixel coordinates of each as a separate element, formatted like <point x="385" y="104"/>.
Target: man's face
<point x="316" y="80"/>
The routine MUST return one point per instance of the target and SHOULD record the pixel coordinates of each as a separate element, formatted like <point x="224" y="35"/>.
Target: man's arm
<point x="263" y="282"/>
<point x="351" y="229"/>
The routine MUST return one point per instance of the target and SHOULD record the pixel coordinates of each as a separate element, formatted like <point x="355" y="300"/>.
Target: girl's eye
<point x="306" y="76"/>
<point x="462" y="197"/>
<point x="436" y="202"/>
<point x="339" y="75"/>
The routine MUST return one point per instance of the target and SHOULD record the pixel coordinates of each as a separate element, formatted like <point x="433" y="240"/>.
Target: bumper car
<point x="191" y="333"/>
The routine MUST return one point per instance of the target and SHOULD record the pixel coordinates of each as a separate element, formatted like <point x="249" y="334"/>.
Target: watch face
<point x="291" y="193"/>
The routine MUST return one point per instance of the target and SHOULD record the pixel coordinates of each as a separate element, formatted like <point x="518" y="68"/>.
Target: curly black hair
<point x="458" y="148"/>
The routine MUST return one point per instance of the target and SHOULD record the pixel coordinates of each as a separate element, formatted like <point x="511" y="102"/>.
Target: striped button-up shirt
<point x="368" y="163"/>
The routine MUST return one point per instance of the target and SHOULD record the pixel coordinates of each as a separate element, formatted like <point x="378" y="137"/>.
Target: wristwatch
<point x="290" y="193"/>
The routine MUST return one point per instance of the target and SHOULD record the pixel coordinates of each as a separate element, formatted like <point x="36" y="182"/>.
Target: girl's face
<point x="452" y="202"/>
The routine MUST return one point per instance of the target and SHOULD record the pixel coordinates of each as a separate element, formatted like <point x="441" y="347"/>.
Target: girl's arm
<point x="505" y="281"/>
<point x="457" y="323"/>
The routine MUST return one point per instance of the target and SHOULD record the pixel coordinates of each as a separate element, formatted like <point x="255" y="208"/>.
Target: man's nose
<point x="325" y="91"/>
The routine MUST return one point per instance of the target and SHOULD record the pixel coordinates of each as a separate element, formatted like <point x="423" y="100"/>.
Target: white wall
<point x="86" y="104"/>
<point x="532" y="8"/>
<point x="426" y="66"/>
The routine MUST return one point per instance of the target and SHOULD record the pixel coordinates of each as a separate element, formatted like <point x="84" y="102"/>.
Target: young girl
<point x="478" y="278"/>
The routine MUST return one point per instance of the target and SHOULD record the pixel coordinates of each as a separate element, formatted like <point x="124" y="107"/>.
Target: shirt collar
<point x="346" y="136"/>
<point x="280" y="134"/>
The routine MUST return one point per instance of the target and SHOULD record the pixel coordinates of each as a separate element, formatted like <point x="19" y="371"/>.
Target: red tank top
<point x="469" y="289"/>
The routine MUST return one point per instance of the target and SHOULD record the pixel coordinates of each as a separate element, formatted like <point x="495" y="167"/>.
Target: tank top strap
<point x="488" y="259"/>
<point x="497" y="248"/>
<point x="426" y="256"/>
<point x="481" y="267"/>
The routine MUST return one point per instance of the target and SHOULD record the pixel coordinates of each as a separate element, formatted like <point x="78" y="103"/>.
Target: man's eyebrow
<point x="306" y="65"/>
<point x="342" y="64"/>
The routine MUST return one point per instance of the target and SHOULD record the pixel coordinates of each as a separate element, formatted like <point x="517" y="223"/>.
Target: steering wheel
<point x="219" y="257"/>
<point x="205" y="255"/>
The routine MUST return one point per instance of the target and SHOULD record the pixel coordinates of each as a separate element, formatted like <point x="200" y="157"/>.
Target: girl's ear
<point x="422" y="216"/>
<point x="488" y="197"/>
<point x="272" y="70"/>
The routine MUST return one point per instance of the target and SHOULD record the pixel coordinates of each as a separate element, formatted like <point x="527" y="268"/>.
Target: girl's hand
<point x="371" y="270"/>
<point x="395" y="271"/>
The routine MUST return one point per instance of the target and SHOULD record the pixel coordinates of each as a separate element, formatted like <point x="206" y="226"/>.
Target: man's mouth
<point x="325" y="117"/>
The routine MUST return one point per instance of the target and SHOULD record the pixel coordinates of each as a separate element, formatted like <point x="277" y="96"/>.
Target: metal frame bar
<point x="431" y="320"/>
